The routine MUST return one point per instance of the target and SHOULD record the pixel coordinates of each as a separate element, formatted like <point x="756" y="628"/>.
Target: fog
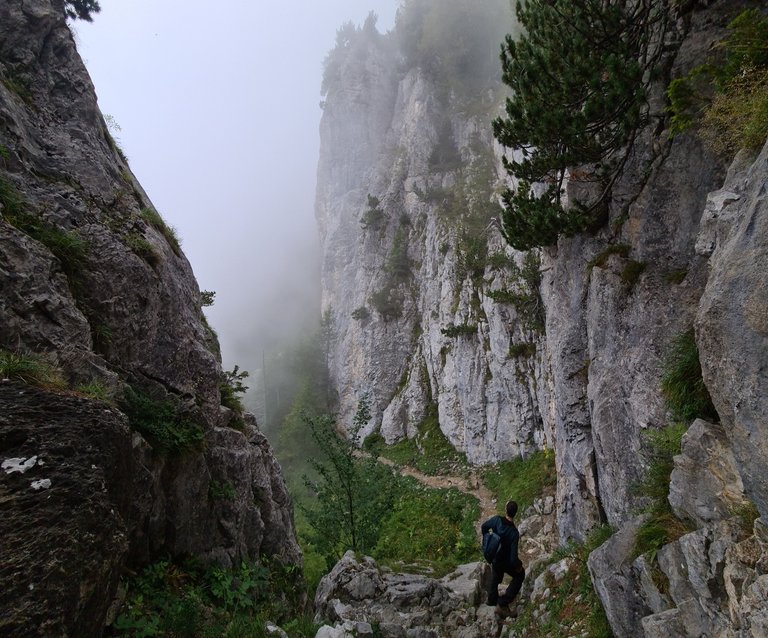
<point x="218" y="109"/>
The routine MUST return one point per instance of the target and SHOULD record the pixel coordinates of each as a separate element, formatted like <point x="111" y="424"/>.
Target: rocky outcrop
<point x="94" y="280"/>
<point x="358" y="594"/>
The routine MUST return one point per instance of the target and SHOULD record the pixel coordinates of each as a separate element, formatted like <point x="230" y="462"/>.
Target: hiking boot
<point x="502" y="611"/>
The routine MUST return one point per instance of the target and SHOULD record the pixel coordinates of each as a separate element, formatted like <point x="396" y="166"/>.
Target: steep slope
<point x="94" y="281"/>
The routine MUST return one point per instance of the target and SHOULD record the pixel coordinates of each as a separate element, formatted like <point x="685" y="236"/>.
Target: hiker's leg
<point x="513" y="588"/>
<point x="497" y="575"/>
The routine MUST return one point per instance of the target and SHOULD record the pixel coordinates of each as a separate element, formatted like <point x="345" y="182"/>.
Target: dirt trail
<point x="472" y="485"/>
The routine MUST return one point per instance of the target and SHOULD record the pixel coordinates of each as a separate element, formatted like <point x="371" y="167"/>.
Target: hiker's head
<point x="511" y="509"/>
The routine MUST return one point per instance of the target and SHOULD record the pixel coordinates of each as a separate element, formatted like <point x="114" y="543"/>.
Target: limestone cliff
<point x="93" y="280"/>
<point x="573" y="359"/>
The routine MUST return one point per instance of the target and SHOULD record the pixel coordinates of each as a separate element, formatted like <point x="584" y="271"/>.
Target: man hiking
<point x="506" y="560"/>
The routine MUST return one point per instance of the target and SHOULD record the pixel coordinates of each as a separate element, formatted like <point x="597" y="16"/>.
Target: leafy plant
<point x="682" y="384"/>
<point x="579" y="75"/>
<point x="351" y="494"/>
<point x="631" y="271"/>
<point x="81" y="9"/>
<point x="160" y="423"/>
<point x="207" y="298"/>
<point x="31" y="369"/>
<point x="232" y="385"/>
<point x="523" y="350"/>
<point x="522" y="479"/>
<point x="361" y="313"/>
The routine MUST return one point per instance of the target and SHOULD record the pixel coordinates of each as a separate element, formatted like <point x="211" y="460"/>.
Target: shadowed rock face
<point x="122" y="307"/>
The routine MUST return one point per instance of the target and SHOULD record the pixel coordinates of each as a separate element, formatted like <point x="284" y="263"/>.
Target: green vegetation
<point x="522" y="479"/>
<point x="96" y="389"/>
<point x="69" y="246"/>
<point x="152" y="217"/>
<point x="374" y="217"/>
<point x="459" y="330"/>
<point x="728" y="97"/>
<point x="682" y="384"/>
<point x="631" y="272"/>
<point x="524" y="295"/>
<point x="429" y="451"/>
<point x="139" y="245"/>
<point x="661" y="526"/>
<point x="388" y="301"/>
<point x="352" y="495"/>
<point x="230" y="386"/>
<point x="522" y="350"/>
<point x="578" y="75"/>
<point x="31" y="369"/>
<point x="573" y="607"/>
<point x="409" y="536"/>
<point x="81" y="9"/>
<point x="159" y="421"/>
<point x="221" y="490"/>
<point x="361" y="313"/>
<point x="598" y="261"/>
<point x="676" y="277"/>
<point x="190" y="600"/>
<point x="207" y="298"/>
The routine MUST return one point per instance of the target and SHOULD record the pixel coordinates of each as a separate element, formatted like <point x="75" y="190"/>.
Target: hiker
<point x="506" y="560"/>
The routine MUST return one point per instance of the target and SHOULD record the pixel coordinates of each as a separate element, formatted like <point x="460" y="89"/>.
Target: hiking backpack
<point x="491" y="545"/>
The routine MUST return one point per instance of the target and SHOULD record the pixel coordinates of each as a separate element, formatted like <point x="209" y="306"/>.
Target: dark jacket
<point x="510" y="539"/>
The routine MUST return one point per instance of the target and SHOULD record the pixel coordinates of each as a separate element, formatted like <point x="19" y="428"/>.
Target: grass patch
<point x="632" y="271"/>
<point x="141" y="247"/>
<point x="682" y="384"/>
<point x="598" y="261"/>
<point x="573" y="607"/>
<point x="409" y="536"/>
<point x="152" y="217"/>
<point x="521" y="479"/>
<point x="188" y="599"/>
<point x="522" y="350"/>
<point x="31" y="369"/>
<point x="160" y="423"/>
<point x="95" y="389"/>
<point x="429" y="452"/>
<point x="676" y="277"/>
<point x="662" y="526"/>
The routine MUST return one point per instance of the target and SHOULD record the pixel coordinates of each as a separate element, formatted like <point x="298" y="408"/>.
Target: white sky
<point x="218" y="104"/>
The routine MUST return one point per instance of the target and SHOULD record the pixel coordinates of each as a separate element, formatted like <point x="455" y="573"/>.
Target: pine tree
<point x="81" y="9"/>
<point x="579" y="77"/>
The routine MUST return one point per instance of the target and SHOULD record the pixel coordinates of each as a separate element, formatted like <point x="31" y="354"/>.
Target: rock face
<point x="356" y="594"/>
<point x="92" y="279"/>
<point x="417" y="319"/>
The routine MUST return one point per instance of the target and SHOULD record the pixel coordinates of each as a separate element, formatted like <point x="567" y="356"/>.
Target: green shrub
<point x="374" y="217"/>
<point x="682" y="384"/>
<point x="361" y="313"/>
<point x="460" y="330"/>
<point x="388" y="302"/>
<point x="221" y="490"/>
<point x="160" y="423"/>
<point x="525" y="295"/>
<point x="190" y="600"/>
<point x="408" y="534"/>
<point x="521" y="479"/>
<point x="676" y="277"/>
<point x="727" y="96"/>
<point x="12" y="201"/>
<point x="31" y="369"/>
<point x="207" y="298"/>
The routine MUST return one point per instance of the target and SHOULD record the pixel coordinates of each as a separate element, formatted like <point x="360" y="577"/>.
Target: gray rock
<point x="732" y="329"/>
<point x="618" y="582"/>
<point x="705" y="485"/>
